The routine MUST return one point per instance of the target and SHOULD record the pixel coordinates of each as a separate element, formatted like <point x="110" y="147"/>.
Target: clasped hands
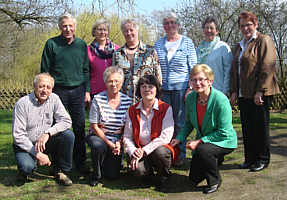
<point x="116" y="148"/>
<point x="136" y="156"/>
<point x="40" y="146"/>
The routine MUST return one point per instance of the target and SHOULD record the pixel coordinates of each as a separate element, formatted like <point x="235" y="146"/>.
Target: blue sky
<point x="142" y="6"/>
<point x="149" y="5"/>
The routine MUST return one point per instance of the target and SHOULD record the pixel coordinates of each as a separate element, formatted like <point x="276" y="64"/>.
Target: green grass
<point x="43" y="186"/>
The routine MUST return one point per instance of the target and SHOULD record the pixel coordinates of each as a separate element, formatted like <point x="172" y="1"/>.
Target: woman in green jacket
<point x="209" y="112"/>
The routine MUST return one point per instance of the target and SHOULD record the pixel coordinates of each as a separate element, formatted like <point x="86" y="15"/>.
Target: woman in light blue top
<point x="216" y="54"/>
<point x="176" y="54"/>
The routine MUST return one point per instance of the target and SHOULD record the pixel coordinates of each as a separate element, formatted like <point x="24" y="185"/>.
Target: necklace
<point x="132" y="48"/>
<point x="202" y="101"/>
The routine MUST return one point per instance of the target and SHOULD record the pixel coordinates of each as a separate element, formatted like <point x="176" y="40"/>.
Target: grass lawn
<point x="237" y="184"/>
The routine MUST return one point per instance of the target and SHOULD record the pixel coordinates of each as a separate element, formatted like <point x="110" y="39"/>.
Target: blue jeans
<point x="60" y="147"/>
<point x="73" y="99"/>
<point x="175" y="98"/>
<point x="105" y="163"/>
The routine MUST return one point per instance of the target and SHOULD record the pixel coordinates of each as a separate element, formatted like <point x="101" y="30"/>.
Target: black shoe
<point x="258" y="166"/>
<point x="162" y="187"/>
<point x="245" y="165"/>
<point x="220" y="161"/>
<point x="93" y="181"/>
<point x="211" y="189"/>
<point x="22" y="179"/>
<point x="83" y="169"/>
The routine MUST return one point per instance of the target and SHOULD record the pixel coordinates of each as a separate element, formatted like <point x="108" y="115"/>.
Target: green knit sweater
<point x="68" y="64"/>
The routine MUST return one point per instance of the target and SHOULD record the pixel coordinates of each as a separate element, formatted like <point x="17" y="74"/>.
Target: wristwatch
<point x="47" y="132"/>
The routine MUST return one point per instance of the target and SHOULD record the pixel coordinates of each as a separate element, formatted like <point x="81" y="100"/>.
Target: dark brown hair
<point x="209" y="20"/>
<point x="149" y="79"/>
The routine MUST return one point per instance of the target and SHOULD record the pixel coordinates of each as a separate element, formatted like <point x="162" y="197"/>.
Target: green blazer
<point x="217" y="121"/>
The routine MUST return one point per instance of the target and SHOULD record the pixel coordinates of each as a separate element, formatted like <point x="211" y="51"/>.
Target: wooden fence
<point x="9" y="96"/>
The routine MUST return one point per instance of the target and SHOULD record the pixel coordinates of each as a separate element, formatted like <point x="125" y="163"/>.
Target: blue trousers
<point x="175" y="98"/>
<point x="60" y="147"/>
<point x="73" y="99"/>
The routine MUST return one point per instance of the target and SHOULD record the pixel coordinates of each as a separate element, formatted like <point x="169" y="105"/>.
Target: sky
<point x="145" y="6"/>
<point x="142" y="6"/>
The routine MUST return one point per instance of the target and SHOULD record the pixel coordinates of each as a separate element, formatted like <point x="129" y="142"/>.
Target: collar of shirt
<point x="36" y="100"/>
<point x="141" y="48"/>
<point x="244" y="45"/>
<point x="155" y="105"/>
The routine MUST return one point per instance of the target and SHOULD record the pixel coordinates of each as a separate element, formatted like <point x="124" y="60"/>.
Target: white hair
<point x="129" y="21"/>
<point x="66" y="16"/>
<point x="169" y="14"/>
<point x="111" y="70"/>
<point x="41" y="75"/>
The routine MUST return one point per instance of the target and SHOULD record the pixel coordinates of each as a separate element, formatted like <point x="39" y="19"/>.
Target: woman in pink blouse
<point x="100" y="53"/>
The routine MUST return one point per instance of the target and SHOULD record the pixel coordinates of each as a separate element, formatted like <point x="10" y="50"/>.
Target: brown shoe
<point x="63" y="179"/>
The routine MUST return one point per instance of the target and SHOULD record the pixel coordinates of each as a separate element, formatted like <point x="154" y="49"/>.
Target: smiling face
<point x="170" y="26"/>
<point x="247" y="28"/>
<point x="148" y="92"/>
<point x="210" y="31"/>
<point x="200" y="83"/>
<point x="43" y="88"/>
<point x="101" y="32"/>
<point x="130" y="33"/>
<point x="67" y="28"/>
<point x="114" y="83"/>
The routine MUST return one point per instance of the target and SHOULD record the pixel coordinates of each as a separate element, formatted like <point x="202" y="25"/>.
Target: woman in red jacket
<point x="148" y="132"/>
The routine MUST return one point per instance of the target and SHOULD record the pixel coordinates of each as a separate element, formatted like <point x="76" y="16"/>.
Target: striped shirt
<point x="175" y="73"/>
<point x="112" y="120"/>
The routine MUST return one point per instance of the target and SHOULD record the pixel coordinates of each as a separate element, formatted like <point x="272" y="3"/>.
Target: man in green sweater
<point x="65" y="57"/>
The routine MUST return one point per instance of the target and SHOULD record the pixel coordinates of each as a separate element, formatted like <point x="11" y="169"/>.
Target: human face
<point x="101" y="32"/>
<point x="148" y="91"/>
<point x="210" y="31"/>
<point x="130" y="33"/>
<point x="170" y="26"/>
<point x="247" y="28"/>
<point x="43" y="88"/>
<point x="67" y="28"/>
<point x="114" y="83"/>
<point x="200" y="83"/>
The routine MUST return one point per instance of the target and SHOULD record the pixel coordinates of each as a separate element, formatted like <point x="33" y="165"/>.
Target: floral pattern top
<point x="145" y="62"/>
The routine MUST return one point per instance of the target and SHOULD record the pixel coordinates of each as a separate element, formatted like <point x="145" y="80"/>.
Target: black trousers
<point x="105" y="163"/>
<point x="204" y="163"/>
<point x="255" y="129"/>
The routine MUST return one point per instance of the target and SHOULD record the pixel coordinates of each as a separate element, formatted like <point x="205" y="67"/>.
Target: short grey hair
<point x="169" y="14"/>
<point x="41" y="75"/>
<point x="111" y="70"/>
<point x="129" y="21"/>
<point x="66" y="16"/>
<point x="99" y="22"/>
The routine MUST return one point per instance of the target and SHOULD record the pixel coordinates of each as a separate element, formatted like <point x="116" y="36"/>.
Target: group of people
<point x="146" y="101"/>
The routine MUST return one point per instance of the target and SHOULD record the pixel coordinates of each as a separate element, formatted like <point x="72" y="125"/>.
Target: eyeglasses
<point x="101" y="30"/>
<point x="169" y="22"/>
<point x="245" y="25"/>
<point x="147" y="86"/>
<point x="111" y="82"/>
<point x="200" y="80"/>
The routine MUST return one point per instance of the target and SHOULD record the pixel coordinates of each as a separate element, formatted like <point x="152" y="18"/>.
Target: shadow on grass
<point x="177" y="183"/>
